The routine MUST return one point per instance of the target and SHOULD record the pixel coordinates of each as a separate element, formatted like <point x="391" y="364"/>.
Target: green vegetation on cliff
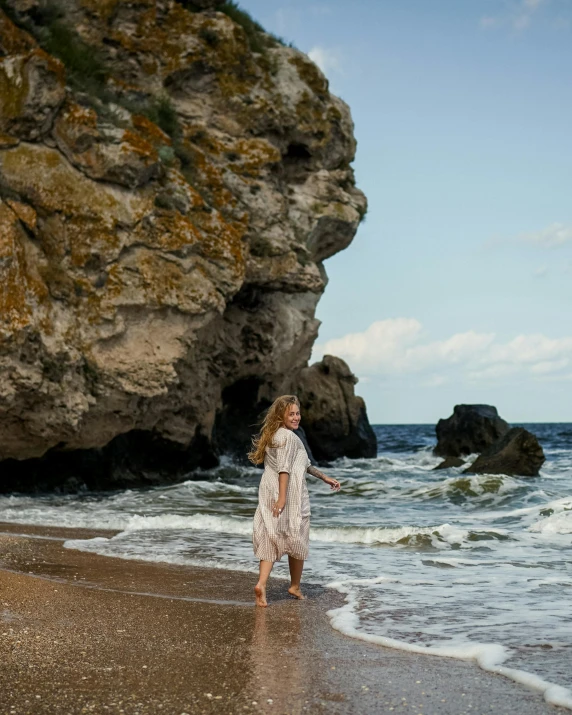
<point x="258" y="38"/>
<point x="84" y="67"/>
<point x="86" y="71"/>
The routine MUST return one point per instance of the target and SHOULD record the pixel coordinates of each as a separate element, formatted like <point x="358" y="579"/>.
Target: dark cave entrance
<point x="297" y="161"/>
<point x="138" y="458"/>
<point x="239" y="418"/>
<point x="297" y="153"/>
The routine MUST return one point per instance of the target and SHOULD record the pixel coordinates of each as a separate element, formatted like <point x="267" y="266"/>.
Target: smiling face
<point x="292" y="417"/>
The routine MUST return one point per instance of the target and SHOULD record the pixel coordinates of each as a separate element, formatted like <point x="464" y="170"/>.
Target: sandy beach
<point x="84" y="633"/>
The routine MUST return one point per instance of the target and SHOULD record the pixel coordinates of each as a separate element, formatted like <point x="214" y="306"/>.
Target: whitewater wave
<point x="196" y="522"/>
<point x="475" y="489"/>
<point x="483" y="490"/>
<point x="528" y="514"/>
<point x="437" y="536"/>
<point x="440" y="536"/>
<point x="422" y="459"/>
<point x="101" y="520"/>
<point x="141" y="552"/>
<point x="489" y="656"/>
<point x="559" y="522"/>
<point x="214" y="486"/>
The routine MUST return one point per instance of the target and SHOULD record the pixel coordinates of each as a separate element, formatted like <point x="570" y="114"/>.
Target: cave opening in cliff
<point x="297" y="153"/>
<point x="249" y="298"/>
<point x="297" y="161"/>
<point x="239" y="418"/>
<point x="138" y="458"/>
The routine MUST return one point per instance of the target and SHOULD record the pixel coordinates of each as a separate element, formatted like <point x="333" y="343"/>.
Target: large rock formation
<point x="334" y="419"/>
<point x="470" y="429"/>
<point x="518" y="453"/>
<point x="157" y="282"/>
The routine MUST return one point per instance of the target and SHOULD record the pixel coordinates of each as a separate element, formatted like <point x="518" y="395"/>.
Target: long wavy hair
<point x="273" y="419"/>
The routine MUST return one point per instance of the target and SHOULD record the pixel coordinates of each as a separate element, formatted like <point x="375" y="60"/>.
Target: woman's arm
<point x="278" y="507"/>
<point x="315" y="472"/>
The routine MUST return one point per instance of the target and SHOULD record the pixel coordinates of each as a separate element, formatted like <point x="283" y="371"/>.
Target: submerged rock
<point x="333" y="417"/>
<point x="158" y="284"/>
<point x="518" y="453"/>
<point x="469" y="430"/>
<point x="449" y="463"/>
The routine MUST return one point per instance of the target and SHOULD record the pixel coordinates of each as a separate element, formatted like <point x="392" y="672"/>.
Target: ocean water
<point x="455" y="565"/>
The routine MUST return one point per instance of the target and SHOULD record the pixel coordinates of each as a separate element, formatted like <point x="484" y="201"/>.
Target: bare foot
<point x="260" y="594"/>
<point x="295" y="591"/>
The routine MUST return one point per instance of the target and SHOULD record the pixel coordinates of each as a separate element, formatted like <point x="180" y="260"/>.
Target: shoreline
<point x="89" y="633"/>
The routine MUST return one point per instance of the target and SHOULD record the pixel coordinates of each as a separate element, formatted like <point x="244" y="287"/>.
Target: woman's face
<point x="292" y="417"/>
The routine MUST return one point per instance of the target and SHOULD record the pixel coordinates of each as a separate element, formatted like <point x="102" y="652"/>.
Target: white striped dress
<point x="288" y="533"/>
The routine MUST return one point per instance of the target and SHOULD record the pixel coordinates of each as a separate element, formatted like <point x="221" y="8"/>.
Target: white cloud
<point x="399" y="347"/>
<point x="489" y="22"/>
<point x="557" y="234"/>
<point x="521" y="21"/>
<point x="435" y="381"/>
<point x="390" y="338"/>
<point x="454" y="351"/>
<point x="518" y="18"/>
<point x="320" y="10"/>
<point x="531" y="349"/>
<point x="561" y="23"/>
<point x="328" y="60"/>
<point x="548" y="366"/>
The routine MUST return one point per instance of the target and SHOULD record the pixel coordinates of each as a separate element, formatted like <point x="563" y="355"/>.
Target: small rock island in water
<point x="478" y="429"/>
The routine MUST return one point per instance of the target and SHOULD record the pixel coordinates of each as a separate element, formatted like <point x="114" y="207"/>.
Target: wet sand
<point x="81" y="633"/>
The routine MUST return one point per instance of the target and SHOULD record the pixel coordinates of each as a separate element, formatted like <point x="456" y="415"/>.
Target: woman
<point x="282" y="519"/>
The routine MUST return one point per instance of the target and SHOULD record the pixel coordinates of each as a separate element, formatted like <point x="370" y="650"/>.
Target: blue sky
<point x="458" y="286"/>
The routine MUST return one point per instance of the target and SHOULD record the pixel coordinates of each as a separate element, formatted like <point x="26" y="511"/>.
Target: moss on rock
<point x="21" y="288"/>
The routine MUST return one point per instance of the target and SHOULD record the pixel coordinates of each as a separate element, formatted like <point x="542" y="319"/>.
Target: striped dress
<point x="288" y="533"/>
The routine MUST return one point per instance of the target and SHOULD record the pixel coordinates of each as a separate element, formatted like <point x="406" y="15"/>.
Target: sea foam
<point x="489" y="656"/>
<point x="559" y="523"/>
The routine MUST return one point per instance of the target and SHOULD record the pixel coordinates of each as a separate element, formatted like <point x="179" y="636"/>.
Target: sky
<point x="457" y="287"/>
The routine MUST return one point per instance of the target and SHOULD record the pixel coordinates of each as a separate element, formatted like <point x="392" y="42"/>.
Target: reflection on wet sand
<point x="277" y="671"/>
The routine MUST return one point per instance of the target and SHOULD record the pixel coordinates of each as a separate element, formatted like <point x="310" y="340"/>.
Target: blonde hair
<point x="273" y="420"/>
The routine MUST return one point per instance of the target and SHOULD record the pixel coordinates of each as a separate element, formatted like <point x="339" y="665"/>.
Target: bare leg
<point x="296" y="567"/>
<point x="260" y="588"/>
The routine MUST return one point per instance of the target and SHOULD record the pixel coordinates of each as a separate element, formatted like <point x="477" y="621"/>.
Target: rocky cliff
<point x="171" y="180"/>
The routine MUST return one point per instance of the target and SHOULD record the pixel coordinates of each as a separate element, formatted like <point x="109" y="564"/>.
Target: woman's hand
<point x="278" y="507"/>
<point x="315" y="472"/>
<point x="334" y="484"/>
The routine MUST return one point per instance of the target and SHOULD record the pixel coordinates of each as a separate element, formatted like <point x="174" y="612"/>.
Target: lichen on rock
<point x="161" y="238"/>
<point x="32" y="90"/>
<point x="103" y="151"/>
